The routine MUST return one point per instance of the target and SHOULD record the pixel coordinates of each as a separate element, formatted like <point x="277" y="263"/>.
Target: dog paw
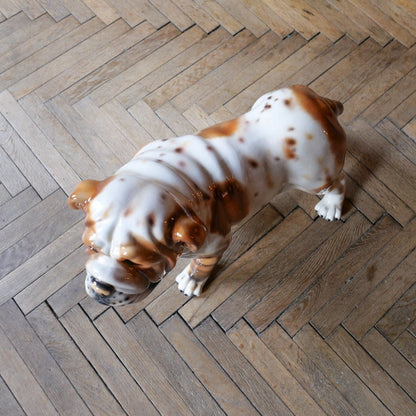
<point x="188" y="285"/>
<point x="329" y="207"/>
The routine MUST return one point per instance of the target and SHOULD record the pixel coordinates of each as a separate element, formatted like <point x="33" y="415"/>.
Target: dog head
<point x="132" y="238"/>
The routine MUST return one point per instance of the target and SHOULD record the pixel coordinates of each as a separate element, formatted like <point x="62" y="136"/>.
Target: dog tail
<point x="335" y="106"/>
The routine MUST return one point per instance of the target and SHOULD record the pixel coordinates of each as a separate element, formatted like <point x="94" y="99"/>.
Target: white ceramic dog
<point x="185" y="193"/>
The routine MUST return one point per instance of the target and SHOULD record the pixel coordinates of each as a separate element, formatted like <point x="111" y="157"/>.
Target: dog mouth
<point x="106" y="294"/>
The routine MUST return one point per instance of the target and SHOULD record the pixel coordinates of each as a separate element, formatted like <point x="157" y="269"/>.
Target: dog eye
<point x="91" y="250"/>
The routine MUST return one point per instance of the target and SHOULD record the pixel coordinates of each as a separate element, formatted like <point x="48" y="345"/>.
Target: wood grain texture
<point x="302" y="317"/>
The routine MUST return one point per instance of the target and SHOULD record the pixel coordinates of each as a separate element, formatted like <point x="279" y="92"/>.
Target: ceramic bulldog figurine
<point x="184" y="194"/>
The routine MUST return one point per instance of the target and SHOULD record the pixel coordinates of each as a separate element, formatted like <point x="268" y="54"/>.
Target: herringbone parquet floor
<point x="305" y="317"/>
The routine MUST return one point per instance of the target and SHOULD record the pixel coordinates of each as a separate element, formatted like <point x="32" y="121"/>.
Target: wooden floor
<point x="305" y="317"/>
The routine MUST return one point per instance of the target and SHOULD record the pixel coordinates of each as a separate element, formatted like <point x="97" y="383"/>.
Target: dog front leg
<point x="192" y="279"/>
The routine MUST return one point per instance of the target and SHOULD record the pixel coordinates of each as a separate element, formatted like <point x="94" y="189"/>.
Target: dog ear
<point x="83" y="194"/>
<point x="190" y="232"/>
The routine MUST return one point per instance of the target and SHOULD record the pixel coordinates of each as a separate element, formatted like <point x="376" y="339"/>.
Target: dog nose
<point x="101" y="289"/>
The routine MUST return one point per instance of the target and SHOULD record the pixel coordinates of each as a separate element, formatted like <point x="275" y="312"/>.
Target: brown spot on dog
<point x="253" y="163"/>
<point x="210" y="148"/>
<point x="309" y="136"/>
<point x="230" y="204"/>
<point x="290" y="129"/>
<point x="189" y="231"/>
<point x="269" y="97"/>
<point x="85" y="191"/>
<point x="325" y="112"/>
<point x="289" y="148"/>
<point x="241" y="139"/>
<point x="179" y="150"/>
<point x="224" y="129"/>
<point x="182" y="164"/>
<point x="266" y="107"/>
<point x="151" y="219"/>
<point x="287" y="102"/>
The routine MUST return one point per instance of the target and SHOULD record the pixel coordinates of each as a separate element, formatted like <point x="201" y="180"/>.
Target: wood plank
<point x="390" y="166"/>
<point x="68" y="295"/>
<point x="36" y="42"/>
<point x="389" y="358"/>
<point x="391" y="98"/>
<point x="148" y="64"/>
<point x="174" y="14"/>
<point x="226" y="20"/>
<point x="20" y="380"/>
<point x="209" y="372"/>
<point x="197" y="15"/>
<point x="126" y="11"/>
<point x="25" y="160"/>
<point x="127" y="124"/>
<point x="200" y="69"/>
<point x="119" y="64"/>
<point x="67" y="59"/>
<point x="380" y="83"/>
<point x="241" y="270"/>
<point x="60" y="138"/>
<point x="399" y="140"/>
<point x="70" y="359"/>
<point x="10" y="175"/>
<point x="307" y="373"/>
<point x="384" y="296"/>
<point x="280" y="261"/>
<point x="121" y="41"/>
<point x="376" y="9"/>
<point x="103" y="10"/>
<point x="181" y="62"/>
<point x="269" y="16"/>
<point x="37" y="292"/>
<point x="365" y="281"/>
<point x="103" y="156"/>
<point x="41" y="364"/>
<point x="341" y="376"/>
<point x="399" y="316"/>
<point x="40" y="263"/>
<point x="14" y="208"/>
<point x="44" y="232"/>
<point x="55" y="8"/>
<point x="406" y="344"/>
<point x="267" y="55"/>
<point x="154" y="126"/>
<point x="404" y="112"/>
<point x="266" y="401"/>
<point x="304" y="276"/>
<point x="278" y="75"/>
<point x="292" y="14"/>
<point x="56" y="165"/>
<point x="366" y="179"/>
<point x="393" y="397"/>
<point x="78" y="9"/>
<point x="292" y="392"/>
<point x="365" y="22"/>
<point x="8" y="402"/>
<point x="140" y="365"/>
<point x="341" y="271"/>
<point x="105" y="362"/>
<point x="34" y="63"/>
<point x="32" y="219"/>
<point x="177" y="373"/>
<point x="244" y="16"/>
<point x="223" y="72"/>
<point x="110" y="135"/>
